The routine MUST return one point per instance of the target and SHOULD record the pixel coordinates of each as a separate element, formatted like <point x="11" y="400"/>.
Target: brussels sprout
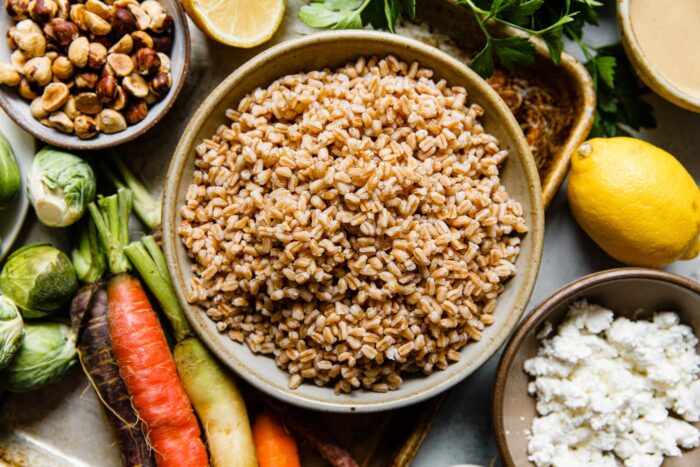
<point x="60" y="186"/>
<point x="47" y="352"/>
<point x="9" y="173"/>
<point x="39" y="278"/>
<point x="11" y="330"/>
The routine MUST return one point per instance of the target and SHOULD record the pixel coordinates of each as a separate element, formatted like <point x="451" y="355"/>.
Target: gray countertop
<point x="462" y="432"/>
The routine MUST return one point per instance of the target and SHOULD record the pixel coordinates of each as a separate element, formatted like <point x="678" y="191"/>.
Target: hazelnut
<point x="38" y="70"/>
<point x="62" y="68"/>
<point x="135" y="85"/>
<point x="18" y="60"/>
<point x="77" y="15"/>
<point x="85" y="127"/>
<point x="123" y="22"/>
<point x="107" y="70"/>
<point x="37" y="109"/>
<point x="88" y="103"/>
<point x="99" y="8"/>
<point x="136" y="111"/>
<point x="124" y="3"/>
<point x="10" y="35"/>
<point x="96" y="25"/>
<point x="86" y="80"/>
<point x="151" y="98"/>
<point x="61" y="122"/>
<point x="17" y="9"/>
<point x="142" y="19"/>
<point x="163" y="43"/>
<point x="25" y="27"/>
<point x="32" y="44"/>
<point x="161" y="83"/>
<point x="164" y="62"/>
<point x="119" y="102"/>
<point x="43" y="10"/>
<point x="152" y="8"/>
<point x="162" y="24"/>
<point x="110" y="121"/>
<point x="61" y="31"/>
<point x="51" y="55"/>
<point x="9" y="75"/>
<point x="63" y="9"/>
<point x="106" y="89"/>
<point x="70" y="108"/>
<point x="142" y="39"/>
<point x="147" y="61"/>
<point x="122" y="64"/>
<point x="123" y="45"/>
<point x="97" y="55"/>
<point x="28" y="90"/>
<point x="55" y="96"/>
<point x="78" y="51"/>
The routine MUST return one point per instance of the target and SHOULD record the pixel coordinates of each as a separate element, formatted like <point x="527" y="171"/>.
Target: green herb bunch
<point x="617" y="88"/>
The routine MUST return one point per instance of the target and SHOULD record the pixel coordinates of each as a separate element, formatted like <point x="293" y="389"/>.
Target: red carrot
<point x="275" y="447"/>
<point x="149" y="372"/>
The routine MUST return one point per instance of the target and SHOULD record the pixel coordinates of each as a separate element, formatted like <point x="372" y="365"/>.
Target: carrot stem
<point x="111" y="215"/>
<point x="161" y="287"/>
<point x="146" y="208"/>
<point x="158" y="256"/>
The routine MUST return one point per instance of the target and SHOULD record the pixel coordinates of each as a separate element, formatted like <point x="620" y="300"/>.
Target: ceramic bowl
<point x="18" y="108"/>
<point x="333" y="49"/>
<point x="631" y="292"/>
<point x="643" y="66"/>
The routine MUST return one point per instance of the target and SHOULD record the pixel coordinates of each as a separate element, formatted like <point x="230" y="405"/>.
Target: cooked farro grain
<point x="352" y="224"/>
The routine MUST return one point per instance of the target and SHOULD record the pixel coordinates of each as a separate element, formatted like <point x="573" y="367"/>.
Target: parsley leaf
<point x="354" y="14"/>
<point x="513" y="51"/>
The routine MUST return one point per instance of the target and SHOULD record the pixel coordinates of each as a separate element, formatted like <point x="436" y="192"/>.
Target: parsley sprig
<point x="617" y="88"/>
<point x="353" y="14"/>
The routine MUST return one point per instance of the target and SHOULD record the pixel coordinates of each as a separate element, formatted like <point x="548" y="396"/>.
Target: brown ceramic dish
<point x="333" y="49"/>
<point x="17" y="108"/>
<point x="626" y="291"/>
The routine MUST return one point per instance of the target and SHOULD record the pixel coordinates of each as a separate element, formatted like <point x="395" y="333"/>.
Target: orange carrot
<point x="149" y="372"/>
<point x="274" y="445"/>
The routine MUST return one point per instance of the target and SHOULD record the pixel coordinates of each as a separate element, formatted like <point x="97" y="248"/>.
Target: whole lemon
<point x="636" y="201"/>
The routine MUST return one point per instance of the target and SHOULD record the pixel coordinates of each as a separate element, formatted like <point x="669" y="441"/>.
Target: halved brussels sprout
<point x="60" y="186"/>
<point x="39" y="278"/>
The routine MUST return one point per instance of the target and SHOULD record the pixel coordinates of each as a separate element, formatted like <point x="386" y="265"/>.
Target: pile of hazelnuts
<point x="89" y="66"/>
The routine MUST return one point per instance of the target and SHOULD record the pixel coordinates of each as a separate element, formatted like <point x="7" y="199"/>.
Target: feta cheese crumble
<point x="614" y="389"/>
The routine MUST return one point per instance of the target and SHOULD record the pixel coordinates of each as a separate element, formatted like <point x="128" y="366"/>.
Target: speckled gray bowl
<point x="331" y="50"/>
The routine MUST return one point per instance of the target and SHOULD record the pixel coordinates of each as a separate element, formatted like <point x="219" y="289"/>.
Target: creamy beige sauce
<point x="668" y="32"/>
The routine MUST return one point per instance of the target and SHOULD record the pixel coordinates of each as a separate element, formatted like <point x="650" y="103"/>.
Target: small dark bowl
<point x="17" y="108"/>
<point x="634" y="293"/>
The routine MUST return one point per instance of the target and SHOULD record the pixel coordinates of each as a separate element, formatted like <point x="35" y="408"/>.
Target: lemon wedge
<point x="239" y="23"/>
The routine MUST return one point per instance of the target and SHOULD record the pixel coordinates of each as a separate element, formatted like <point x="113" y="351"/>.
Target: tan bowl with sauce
<point x="333" y="49"/>
<point x="664" y="46"/>
<point x="634" y="293"/>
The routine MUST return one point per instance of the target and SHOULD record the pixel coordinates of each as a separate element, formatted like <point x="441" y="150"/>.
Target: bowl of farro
<point x="353" y="221"/>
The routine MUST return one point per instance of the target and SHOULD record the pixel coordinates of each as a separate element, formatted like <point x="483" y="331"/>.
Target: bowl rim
<point x="645" y="69"/>
<point x="170" y="218"/>
<point x="122" y="137"/>
<point x="540" y="313"/>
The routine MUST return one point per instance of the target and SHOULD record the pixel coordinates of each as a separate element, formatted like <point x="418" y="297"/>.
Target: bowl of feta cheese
<point x="605" y="372"/>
